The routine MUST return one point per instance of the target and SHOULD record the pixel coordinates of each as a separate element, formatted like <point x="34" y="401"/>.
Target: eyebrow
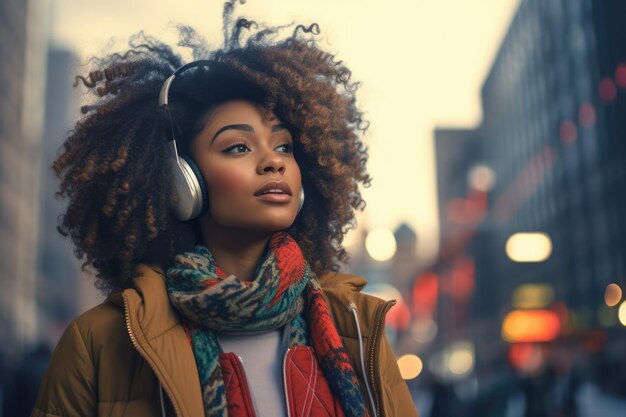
<point x="246" y="128"/>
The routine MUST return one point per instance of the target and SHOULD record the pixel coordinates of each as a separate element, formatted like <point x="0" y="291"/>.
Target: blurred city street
<point x="594" y="403"/>
<point x="510" y="300"/>
<point x="590" y="402"/>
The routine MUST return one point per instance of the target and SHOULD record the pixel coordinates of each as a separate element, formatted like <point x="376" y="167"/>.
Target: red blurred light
<point x="620" y="75"/>
<point x="587" y="115"/>
<point x="607" y="89"/>
<point x="568" y="132"/>
<point x="469" y="210"/>
<point x="399" y="317"/>
<point x="463" y="277"/>
<point x="455" y="210"/>
<point x="425" y="294"/>
<point x="521" y="353"/>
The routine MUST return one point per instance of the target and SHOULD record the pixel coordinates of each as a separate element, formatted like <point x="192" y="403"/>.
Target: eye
<point x="285" y="147"/>
<point x="237" y="148"/>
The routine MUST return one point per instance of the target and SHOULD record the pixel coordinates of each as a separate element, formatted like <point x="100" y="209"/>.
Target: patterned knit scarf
<point x="284" y="290"/>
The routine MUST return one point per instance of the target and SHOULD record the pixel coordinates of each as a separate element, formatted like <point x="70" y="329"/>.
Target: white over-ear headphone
<point x="193" y="198"/>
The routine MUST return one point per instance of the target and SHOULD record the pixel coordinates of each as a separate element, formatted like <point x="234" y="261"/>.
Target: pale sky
<point x="421" y="64"/>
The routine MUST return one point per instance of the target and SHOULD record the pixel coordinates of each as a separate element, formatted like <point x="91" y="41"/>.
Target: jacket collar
<point x="156" y="332"/>
<point x="150" y="301"/>
<point x="341" y="290"/>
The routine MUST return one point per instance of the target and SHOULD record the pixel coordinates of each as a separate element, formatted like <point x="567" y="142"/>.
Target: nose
<point x="271" y="162"/>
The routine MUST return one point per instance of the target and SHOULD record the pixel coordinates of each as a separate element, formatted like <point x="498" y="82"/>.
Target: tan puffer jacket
<point x="98" y="370"/>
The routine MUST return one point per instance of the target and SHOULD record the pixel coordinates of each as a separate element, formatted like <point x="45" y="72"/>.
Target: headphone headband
<point x="165" y="88"/>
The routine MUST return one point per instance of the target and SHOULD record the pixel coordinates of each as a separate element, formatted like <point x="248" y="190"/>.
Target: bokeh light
<point x="587" y="115"/>
<point x="530" y="326"/>
<point x="380" y="244"/>
<point x="621" y="313"/>
<point x="620" y="75"/>
<point x="482" y="178"/>
<point x="568" y="132"/>
<point x="424" y="330"/>
<point x="529" y="247"/>
<point x="454" y="362"/>
<point x="607" y="89"/>
<point x="461" y="361"/>
<point x="612" y="295"/>
<point x="533" y="296"/>
<point x="526" y="357"/>
<point x="410" y="366"/>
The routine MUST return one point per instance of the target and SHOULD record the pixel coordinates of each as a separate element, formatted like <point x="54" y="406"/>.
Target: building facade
<point x="552" y="137"/>
<point x="23" y="46"/>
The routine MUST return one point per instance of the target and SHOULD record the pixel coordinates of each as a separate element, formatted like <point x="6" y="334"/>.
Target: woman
<point x="222" y="293"/>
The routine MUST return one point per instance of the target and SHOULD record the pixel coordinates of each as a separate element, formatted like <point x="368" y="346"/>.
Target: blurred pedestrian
<point x="539" y="392"/>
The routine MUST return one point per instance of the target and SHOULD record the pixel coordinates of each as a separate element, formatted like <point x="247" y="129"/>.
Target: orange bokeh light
<point x="612" y="295"/>
<point x="531" y="326"/>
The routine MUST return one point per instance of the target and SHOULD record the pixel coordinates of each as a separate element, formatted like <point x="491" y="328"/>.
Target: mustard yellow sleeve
<point x="68" y="387"/>
<point x="397" y="398"/>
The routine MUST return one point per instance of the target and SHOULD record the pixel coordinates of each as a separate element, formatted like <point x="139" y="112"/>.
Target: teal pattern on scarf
<point x="284" y="290"/>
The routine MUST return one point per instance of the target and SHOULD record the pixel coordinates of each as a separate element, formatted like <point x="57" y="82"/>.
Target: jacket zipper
<point x="377" y="329"/>
<point x="285" y="382"/>
<point x="142" y="352"/>
<point x="248" y="390"/>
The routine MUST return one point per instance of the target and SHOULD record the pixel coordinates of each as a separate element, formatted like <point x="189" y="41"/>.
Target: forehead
<point x="238" y="112"/>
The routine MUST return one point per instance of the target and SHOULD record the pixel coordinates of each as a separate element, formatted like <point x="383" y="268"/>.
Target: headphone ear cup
<point x="191" y="190"/>
<point x="301" y="199"/>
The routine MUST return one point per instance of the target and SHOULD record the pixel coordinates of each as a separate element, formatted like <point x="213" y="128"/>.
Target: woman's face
<point x="247" y="162"/>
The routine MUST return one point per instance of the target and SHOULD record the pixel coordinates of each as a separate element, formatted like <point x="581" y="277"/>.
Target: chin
<point x="275" y="226"/>
<point x="274" y="220"/>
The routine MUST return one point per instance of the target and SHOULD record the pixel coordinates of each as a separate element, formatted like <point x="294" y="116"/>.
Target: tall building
<point x="458" y="154"/>
<point x="62" y="290"/>
<point x="551" y="106"/>
<point x="404" y="264"/>
<point x="23" y="38"/>
<point x="552" y="138"/>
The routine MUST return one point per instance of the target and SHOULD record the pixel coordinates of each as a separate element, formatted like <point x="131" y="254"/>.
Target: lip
<point x="274" y="185"/>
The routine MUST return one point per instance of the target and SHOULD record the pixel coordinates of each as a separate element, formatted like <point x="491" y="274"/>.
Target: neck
<point x="236" y="251"/>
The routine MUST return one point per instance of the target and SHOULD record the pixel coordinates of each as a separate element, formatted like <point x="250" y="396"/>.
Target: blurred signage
<point x="529" y="247"/>
<point x="533" y="296"/>
<point x="531" y="326"/>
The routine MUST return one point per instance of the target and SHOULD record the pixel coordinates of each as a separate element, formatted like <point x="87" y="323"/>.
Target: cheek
<point x="224" y="183"/>
<point x="294" y="169"/>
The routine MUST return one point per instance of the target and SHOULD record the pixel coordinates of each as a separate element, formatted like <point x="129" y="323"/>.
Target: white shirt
<point x="262" y="358"/>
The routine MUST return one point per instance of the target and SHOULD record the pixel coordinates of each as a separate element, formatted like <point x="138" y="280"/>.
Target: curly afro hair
<point x="114" y="167"/>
